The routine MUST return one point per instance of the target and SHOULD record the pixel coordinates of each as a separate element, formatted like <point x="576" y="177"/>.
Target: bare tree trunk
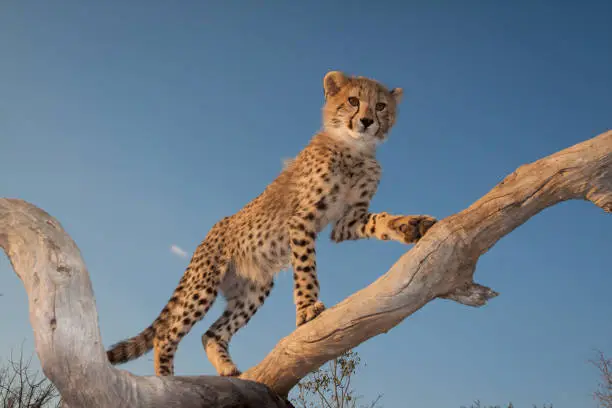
<point x="64" y="317"/>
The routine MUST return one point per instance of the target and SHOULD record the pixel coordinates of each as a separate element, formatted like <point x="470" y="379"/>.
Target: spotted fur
<point x="332" y="180"/>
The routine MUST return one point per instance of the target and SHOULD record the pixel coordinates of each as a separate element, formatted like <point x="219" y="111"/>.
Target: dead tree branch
<point x="64" y="317"/>
<point x="442" y="263"/>
<point x="66" y="334"/>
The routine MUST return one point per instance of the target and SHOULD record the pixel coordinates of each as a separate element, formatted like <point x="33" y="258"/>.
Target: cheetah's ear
<point x="333" y="82"/>
<point x="397" y="94"/>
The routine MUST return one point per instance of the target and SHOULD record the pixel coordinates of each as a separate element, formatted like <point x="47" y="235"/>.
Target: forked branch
<point x="442" y="264"/>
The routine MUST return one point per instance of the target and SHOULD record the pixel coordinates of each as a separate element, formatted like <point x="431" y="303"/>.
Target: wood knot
<point x="53" y="323"/>
<point x="63" y="269"/>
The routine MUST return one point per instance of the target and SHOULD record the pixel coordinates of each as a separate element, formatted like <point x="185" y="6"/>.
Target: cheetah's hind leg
<point x="193" y="297"/>
<point x="244" y="298"/>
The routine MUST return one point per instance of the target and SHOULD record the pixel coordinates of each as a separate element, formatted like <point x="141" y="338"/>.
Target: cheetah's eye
<point x="380" y="106"/>
<point x="353" y="101"/>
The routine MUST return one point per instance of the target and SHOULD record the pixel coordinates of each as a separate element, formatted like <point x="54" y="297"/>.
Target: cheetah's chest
<point x="337" y="203"/>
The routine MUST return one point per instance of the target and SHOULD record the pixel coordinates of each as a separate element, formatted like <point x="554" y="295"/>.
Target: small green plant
<point x="330" y="386"/>
<point x="477" y="404"/>
<point x="603" y="395"/>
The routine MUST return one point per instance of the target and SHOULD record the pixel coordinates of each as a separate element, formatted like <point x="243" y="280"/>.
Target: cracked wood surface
<point x="64" y="317"/>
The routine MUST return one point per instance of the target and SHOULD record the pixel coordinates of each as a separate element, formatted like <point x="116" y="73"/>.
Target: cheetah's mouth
<point x="366" y="138"/>
<point x="360" y="133"/>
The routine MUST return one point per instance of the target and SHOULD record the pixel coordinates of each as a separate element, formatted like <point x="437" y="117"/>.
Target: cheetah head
<point x="358" y="108"/>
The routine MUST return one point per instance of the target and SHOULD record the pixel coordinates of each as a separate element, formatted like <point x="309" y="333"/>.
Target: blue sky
<point x="140" y="125"/>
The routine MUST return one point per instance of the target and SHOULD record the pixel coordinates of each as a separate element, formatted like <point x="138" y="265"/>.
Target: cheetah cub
<point x="331" y="181"/>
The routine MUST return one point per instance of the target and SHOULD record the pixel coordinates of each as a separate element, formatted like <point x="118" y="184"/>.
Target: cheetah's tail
<point x="133" y="347"/>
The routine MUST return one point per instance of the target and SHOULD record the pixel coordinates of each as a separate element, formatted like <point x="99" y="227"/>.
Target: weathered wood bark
<point x="442" y="264"/>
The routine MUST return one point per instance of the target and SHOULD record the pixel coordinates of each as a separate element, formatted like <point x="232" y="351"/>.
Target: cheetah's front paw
<point x="411" y="228"/>
<point x="308" y="313"/>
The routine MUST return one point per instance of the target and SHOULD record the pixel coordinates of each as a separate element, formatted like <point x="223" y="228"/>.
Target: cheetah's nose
<point x="366" y="122"/>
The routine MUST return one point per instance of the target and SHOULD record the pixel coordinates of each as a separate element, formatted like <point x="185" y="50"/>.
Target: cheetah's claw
<point x="412" y="228"/>
<point x="308" y="313"/>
